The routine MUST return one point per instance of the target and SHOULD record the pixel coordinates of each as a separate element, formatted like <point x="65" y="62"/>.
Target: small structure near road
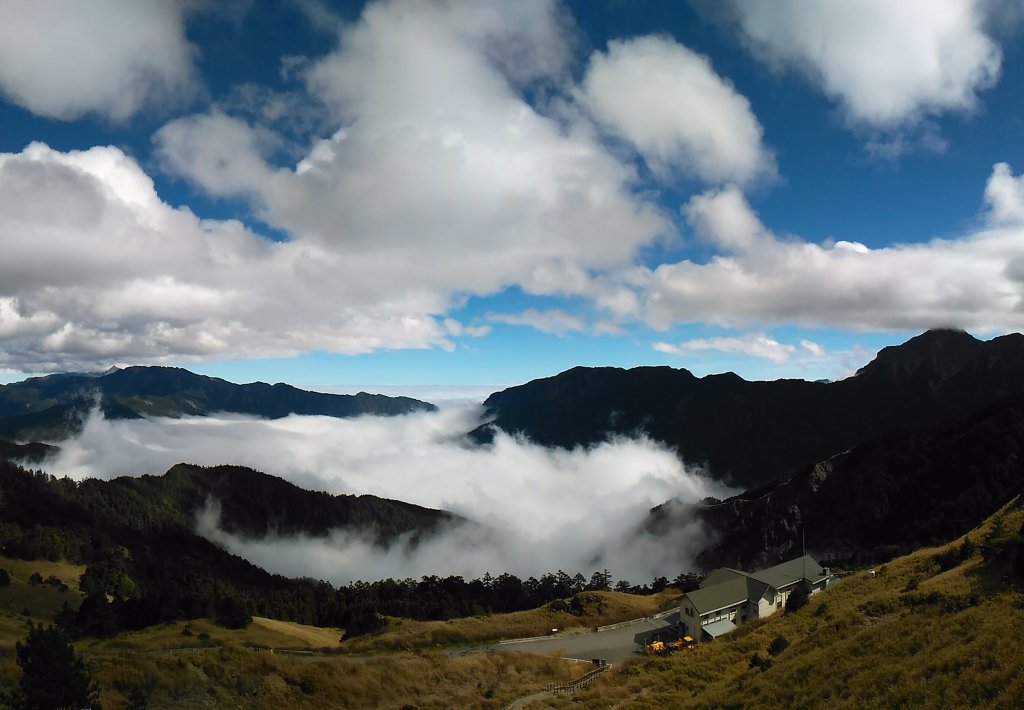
<point x="729" y="597"/>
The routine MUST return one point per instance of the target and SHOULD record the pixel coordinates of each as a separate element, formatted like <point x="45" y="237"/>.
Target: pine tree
<point x="52" y="674"/>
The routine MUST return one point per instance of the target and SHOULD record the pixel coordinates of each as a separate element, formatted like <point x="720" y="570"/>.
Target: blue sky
<point x="455" y="193"/>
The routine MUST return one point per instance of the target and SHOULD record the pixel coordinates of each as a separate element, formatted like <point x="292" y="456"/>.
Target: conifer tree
<point x="52" y="674"/>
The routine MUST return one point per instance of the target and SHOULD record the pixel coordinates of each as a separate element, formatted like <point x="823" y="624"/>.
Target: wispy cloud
<point x="753" y="345"/>
<point x="553" y="320"/>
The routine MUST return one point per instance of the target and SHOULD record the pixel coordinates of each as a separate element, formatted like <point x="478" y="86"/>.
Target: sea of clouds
<point x="542" y="509"/>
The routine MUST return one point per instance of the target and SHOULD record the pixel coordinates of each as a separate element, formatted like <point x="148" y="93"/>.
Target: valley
<point x="129" y="569"/>
<point x="930" y="629"/>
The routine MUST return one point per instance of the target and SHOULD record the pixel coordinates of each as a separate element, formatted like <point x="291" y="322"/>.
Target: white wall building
<point x="728" y="597"/>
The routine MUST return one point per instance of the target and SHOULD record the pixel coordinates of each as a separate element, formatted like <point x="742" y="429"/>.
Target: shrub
<point x="966" y="550"/>
<point x="5" y="578"/>
<point x="947" y="559"/>
<point x="778" y="645"/>
<point x="232" y="613"/>
<point x="797" y="599"/>
<point x="756" y="661"/>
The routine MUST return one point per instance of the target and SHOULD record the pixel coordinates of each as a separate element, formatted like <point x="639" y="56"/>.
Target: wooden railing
<point x="574" y="685"/>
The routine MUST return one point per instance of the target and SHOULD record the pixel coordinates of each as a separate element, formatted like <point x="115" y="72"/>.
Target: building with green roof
<point x="729" y="597"/>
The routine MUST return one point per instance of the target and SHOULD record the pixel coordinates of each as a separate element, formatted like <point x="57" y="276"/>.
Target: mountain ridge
<point x="54" y="407"/>
<point x="907" y="489"/>
<point x="749" y="433"/>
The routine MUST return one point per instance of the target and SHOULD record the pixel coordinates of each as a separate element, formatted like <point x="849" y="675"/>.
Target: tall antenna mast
<point x="803" y="557"/>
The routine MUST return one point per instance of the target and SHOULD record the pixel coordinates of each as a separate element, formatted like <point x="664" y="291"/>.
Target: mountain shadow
<point x="750" y="433"/>
<point x="902" y="491"/>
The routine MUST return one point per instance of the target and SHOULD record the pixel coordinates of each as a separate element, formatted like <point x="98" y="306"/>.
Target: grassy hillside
<point x="599" y="608"/>
<point x="22" y="602"/>
<point x="929" y="631"/>
<point x="938" y="628"/>
<point x="411" y="663"/>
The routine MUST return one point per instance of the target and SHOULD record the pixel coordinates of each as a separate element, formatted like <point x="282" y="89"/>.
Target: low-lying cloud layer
<point x="544" y="509"/>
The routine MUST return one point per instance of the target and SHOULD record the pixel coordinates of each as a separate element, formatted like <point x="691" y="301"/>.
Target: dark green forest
<point x="136" y="537"/>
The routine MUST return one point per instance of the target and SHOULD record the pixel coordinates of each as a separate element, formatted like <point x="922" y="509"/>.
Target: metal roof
<point x="722" y="574"/>
<point x="735" y="590"/>
<point x="719" y="628"/>
<point x="790" y="572"/>
<point x="725" y="587"/>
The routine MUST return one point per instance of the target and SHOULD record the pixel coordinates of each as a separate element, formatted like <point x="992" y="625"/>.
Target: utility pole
<point x="803" y="556"/>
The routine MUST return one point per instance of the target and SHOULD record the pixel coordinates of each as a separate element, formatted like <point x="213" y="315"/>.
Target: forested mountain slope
<point x="137" y="536"/>
<point x="750" y="433"/>
<point x="906" y="489"/>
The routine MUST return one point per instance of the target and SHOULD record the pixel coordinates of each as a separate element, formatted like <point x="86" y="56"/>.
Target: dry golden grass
<point x="195" y="663"/>
<point x="66" y="572"/>
<point x="867" y="642"/>
<point x="600" y="608"/>
<point x="914" y="636"/>
<point x="234" y="678"/>
<point x="288" y="634"/>
<point x="40" y="601"/>
<point x="215" y="666"/>
<point x="203" y="633"/>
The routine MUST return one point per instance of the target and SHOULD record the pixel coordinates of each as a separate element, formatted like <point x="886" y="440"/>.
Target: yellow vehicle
<point x="660" y="648"/>
<point x="656" y="648"/>
<point x="684" y="644"/>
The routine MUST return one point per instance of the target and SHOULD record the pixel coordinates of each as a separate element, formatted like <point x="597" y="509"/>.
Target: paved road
<point x="614" y="646"/>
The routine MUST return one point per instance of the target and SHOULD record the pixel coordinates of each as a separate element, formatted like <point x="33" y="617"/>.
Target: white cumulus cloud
<point x="64" y="59"/>
<point x="975" y="281"/>
<point x="99" y="270"/>
<point x="679" y="114"/>
<point x="887" y="63"/>
<point x="442" y="179"/>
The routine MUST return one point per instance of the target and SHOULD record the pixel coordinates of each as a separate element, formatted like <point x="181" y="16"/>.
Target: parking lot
<point x="613" y="645"/>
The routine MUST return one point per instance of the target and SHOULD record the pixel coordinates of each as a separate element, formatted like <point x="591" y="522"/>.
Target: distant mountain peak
<point x="944" y="351"/>
<point x="748" y="433"/>
<point x="53" y="408"/>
